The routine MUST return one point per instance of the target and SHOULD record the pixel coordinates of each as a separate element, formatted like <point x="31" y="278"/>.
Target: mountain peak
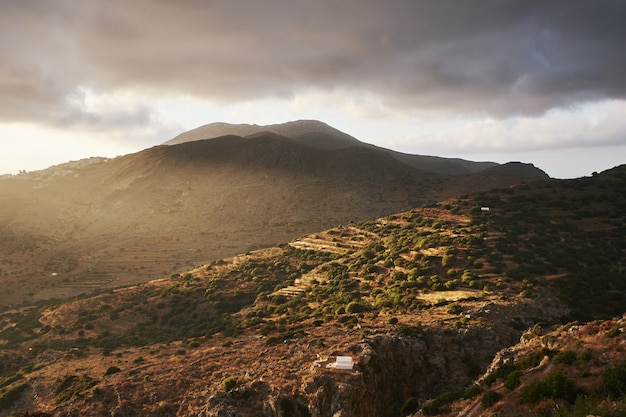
<point x="298" y="129"/>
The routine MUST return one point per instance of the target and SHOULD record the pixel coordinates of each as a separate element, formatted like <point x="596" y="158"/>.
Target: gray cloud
<point x="500" y="58"/>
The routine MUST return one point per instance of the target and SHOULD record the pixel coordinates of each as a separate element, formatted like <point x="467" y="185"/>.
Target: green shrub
<point x="409" y="330"/>
<point x="112" y="370"/>
<point x="442" y="403"/>
<point x="9" y="395"/>
<point x="410" y="406"/>
<point x="567" y="357"/>
<point x="229" y="383"/>
<point x="357" y="307"/>
<point x="586" y="355"/>
<point x="614" y="381"/>
<point x="272" y="340"/>
<point x="490" y="398"/>
<point x="513" y="379"/>
<point x="455" y="308"/>
<point x="555" y="385"/>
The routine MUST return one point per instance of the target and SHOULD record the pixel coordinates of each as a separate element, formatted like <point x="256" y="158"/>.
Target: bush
<point x="357" y="307"/>
<point x="512" y="380"/>
<point x="490" y="398"/>
<point x="555" y="385"/>
<point x="112" y="370"/>
<point x="9" y="395"/>
<point x="614" y="381"/>
<point x="455" y="308"/>
<point x="229" y="383"/>
<point x="567" y="357"/>
<point x="586" y="355"/>
<point x="441" y="403"/>
<point x="410" y="406"/>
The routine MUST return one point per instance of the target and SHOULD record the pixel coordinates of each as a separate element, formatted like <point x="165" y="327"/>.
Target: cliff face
<point x="389" y="370"/>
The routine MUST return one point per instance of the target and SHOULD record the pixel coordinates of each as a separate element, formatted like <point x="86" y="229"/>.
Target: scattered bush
<point x="410" y="406"/>
<point x="229" y="383"/>
<point x="357" y="307"/>
<point x="442" y="403"/>
<point x="614" y="381"/>
<point x="513" y="380"/>
<point x="567" y="357"/>
<point x="112" y="370"/>
<point x="455" y="308"/>
<point x="490" y="398"/>
<point x="555" y="385"/>
<point x="586" y="355"/>
<point x="9" y="395"/>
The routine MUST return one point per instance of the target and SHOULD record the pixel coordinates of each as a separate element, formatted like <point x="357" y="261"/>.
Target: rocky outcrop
<point x="390" y="369"/>
<point x="394" y="368"/>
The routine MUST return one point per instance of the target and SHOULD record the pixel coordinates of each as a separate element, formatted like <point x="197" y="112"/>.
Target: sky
<point x="535" y="81"/>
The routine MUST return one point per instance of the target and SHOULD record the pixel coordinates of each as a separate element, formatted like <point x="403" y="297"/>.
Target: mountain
<point x="319" y="135"/>
<point x="507" y="301"/>
<point x="100" y="223"/>
<point x="310" y="132"/>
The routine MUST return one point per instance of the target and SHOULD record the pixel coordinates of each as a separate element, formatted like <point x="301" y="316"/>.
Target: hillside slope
<point x="424" y="301"/>
<point x="101" y="223"/>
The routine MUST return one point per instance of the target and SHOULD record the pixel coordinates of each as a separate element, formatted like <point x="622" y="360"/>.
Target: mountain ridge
<point x="318" y="134"/>
<point x="293" y="130"/>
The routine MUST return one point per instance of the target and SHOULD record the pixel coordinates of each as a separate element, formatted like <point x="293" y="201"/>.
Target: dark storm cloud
<point x="496" y="57"/>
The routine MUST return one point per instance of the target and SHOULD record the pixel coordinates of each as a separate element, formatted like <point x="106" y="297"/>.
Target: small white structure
<point x="484" y="209"/>
<point x="343" y="362"/>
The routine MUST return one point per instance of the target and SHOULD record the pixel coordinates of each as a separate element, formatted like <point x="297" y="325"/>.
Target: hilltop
<point x="99" y="223"/>
<point x="505" y="301"/>
<point x="319" y="135"/>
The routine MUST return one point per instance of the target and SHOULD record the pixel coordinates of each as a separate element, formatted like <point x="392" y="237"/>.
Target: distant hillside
<point x="319" y="135"/>
<point x="102" y="223"/>
<point x="505" y="302"/>
<point x="517" y="169"/>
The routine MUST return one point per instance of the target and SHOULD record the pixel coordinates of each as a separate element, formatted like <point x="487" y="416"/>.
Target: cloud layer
<point x="464" y="78"/>
<point x="473" y="57"/>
